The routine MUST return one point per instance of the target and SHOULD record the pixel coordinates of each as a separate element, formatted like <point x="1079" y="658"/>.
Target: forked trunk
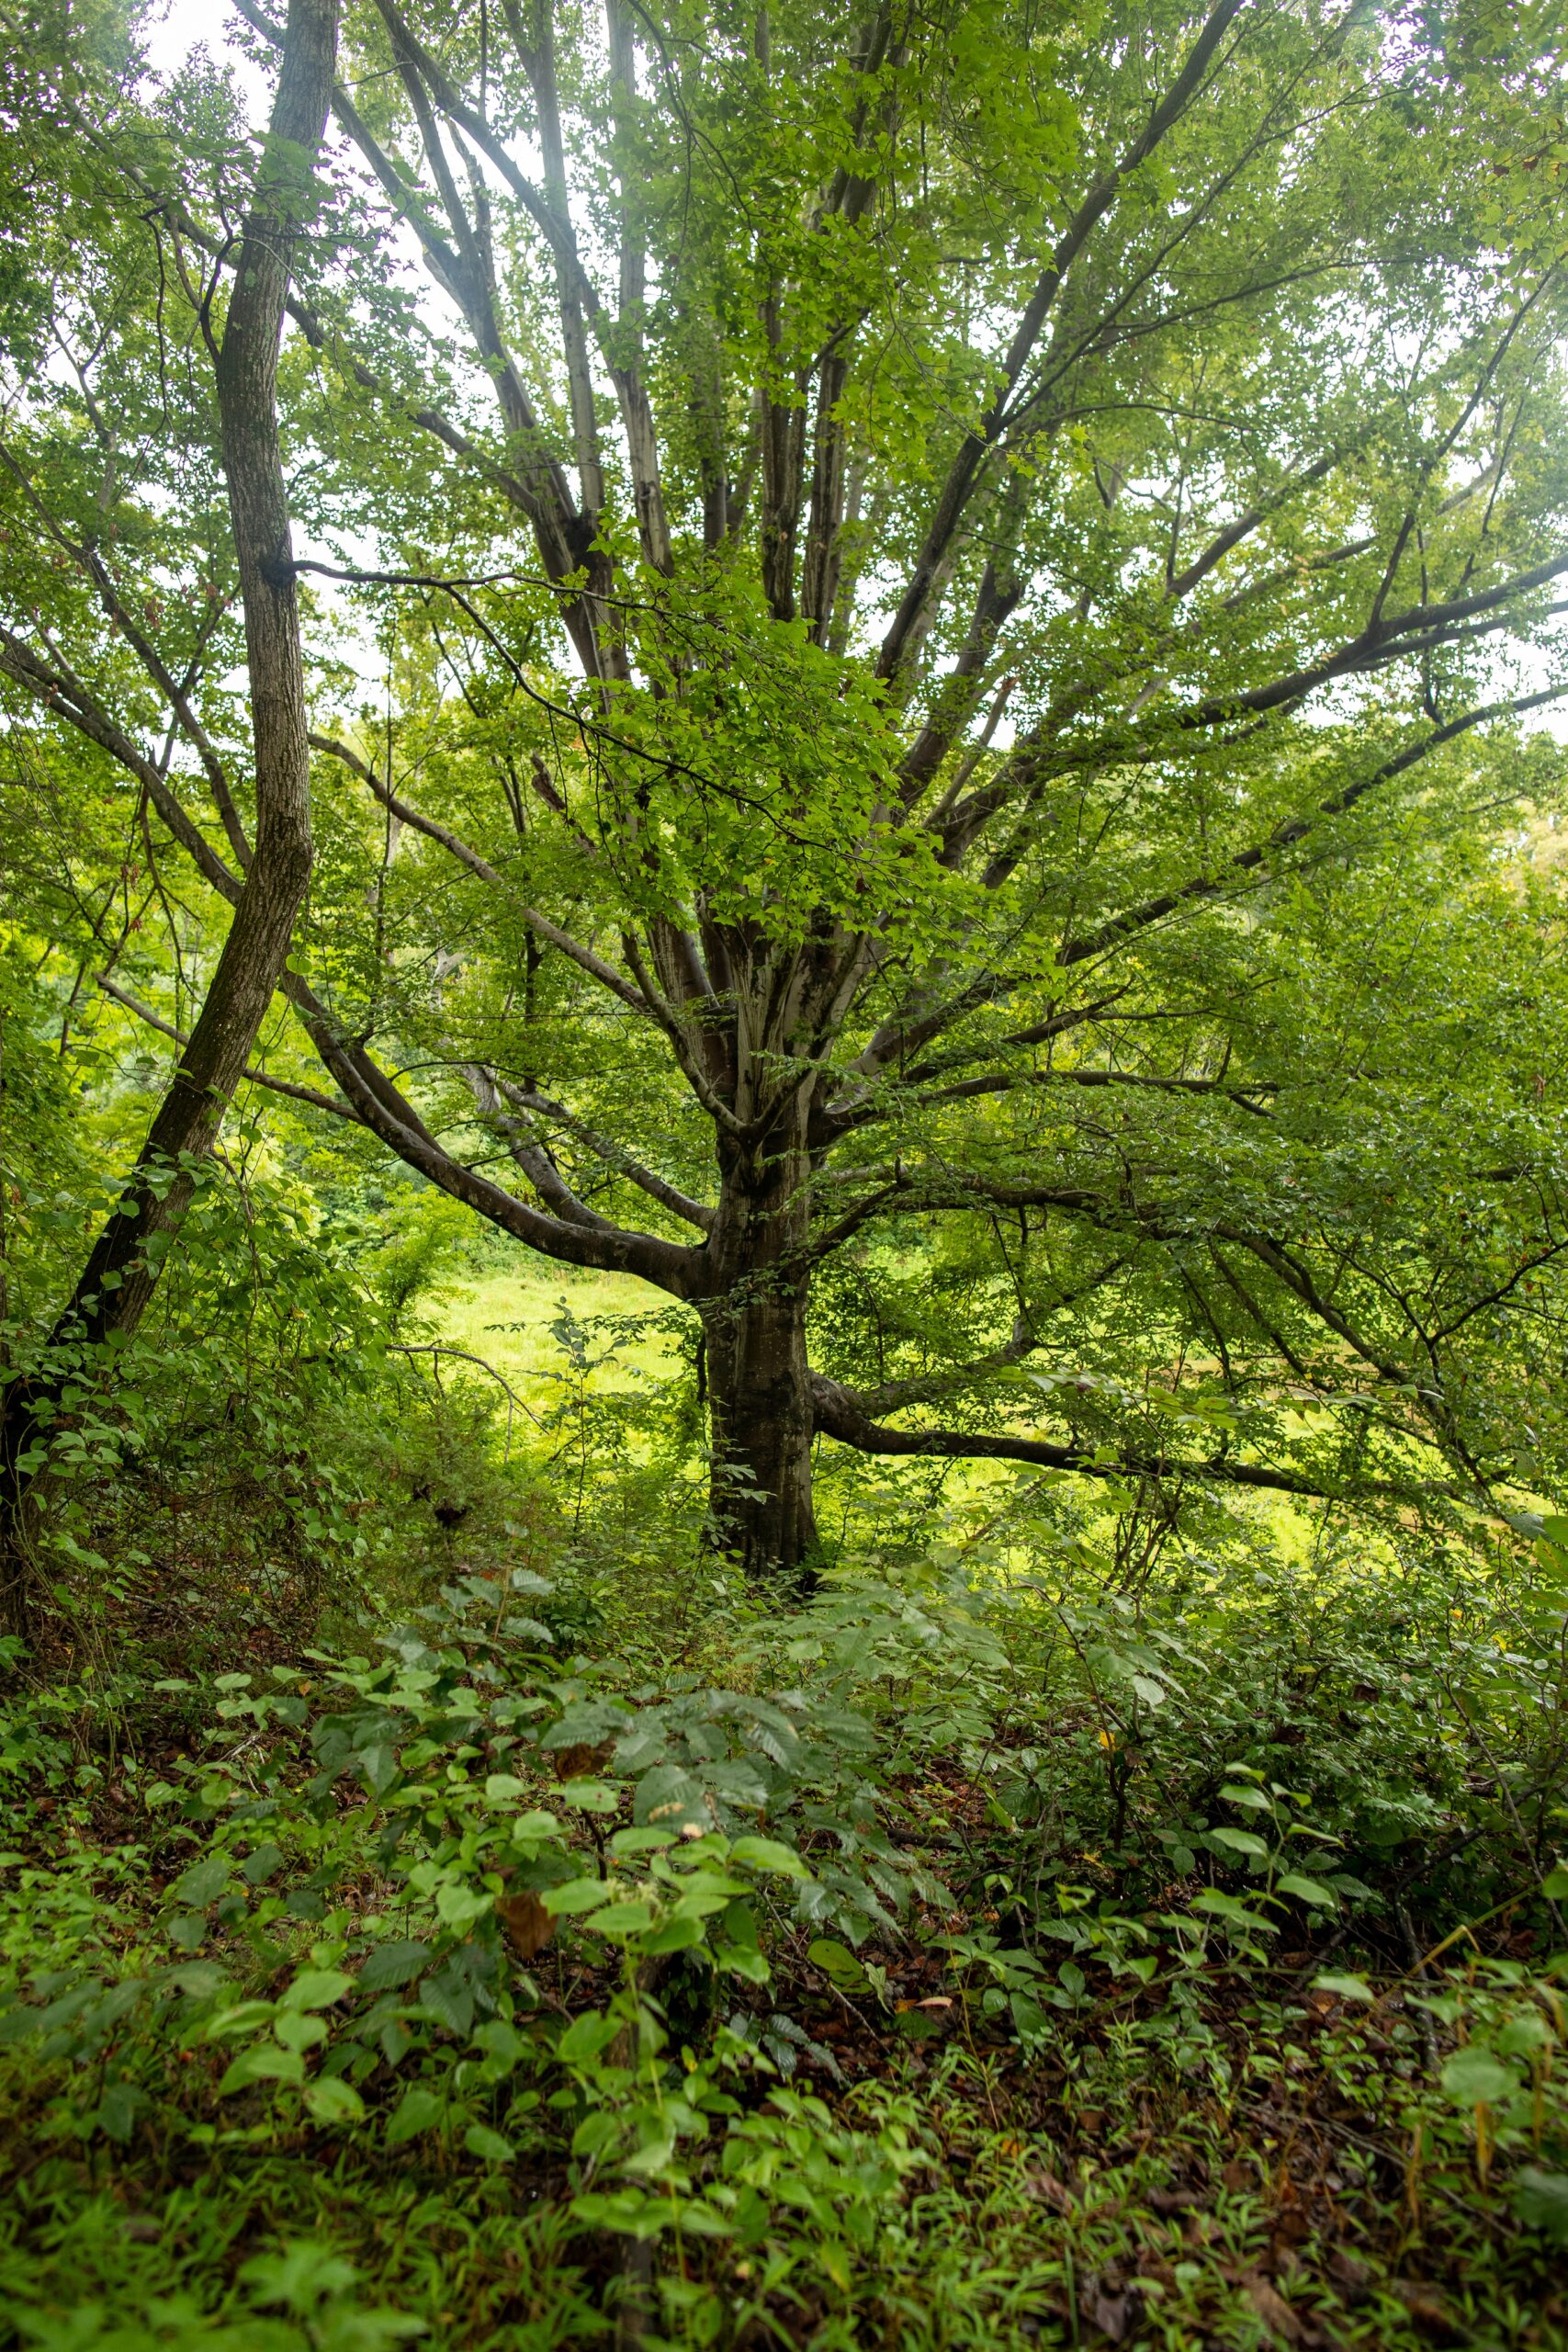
<point x="759" y="1385"/>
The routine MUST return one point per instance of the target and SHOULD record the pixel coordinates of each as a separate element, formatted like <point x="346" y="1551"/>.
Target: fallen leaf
<point x="1425" y="2307"/>
<point x="528" y="1925"/>
<point x="1115" y="2314"/>
<point x="1349" y="2272"/>
<point x="1272" y="2309"/>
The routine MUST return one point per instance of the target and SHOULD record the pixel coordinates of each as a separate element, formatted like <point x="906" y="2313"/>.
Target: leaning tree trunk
<point x="123" y="1270"/>
<point x="759" y="1383"/>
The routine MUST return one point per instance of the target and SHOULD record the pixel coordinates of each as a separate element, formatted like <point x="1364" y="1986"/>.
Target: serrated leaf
<point x="391" y="1964"/>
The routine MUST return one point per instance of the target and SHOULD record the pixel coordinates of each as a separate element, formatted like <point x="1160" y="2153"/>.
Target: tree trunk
<point x="759" y="1383"/>
<point x="122" y="1270"/>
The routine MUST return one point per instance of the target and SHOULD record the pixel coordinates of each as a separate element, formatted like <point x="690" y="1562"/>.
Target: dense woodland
<point x="784" y="1189"/>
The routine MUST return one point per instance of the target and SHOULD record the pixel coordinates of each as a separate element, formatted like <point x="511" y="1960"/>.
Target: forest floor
<point x="916" y="2105"/>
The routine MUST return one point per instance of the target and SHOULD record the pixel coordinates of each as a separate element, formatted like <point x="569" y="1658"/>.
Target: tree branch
<point x="539" y="924"/>
<point x="307" y="1094"/>
<point x="839" y="1412"/>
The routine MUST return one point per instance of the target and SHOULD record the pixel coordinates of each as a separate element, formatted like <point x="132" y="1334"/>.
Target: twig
<point x="439" y="1348"/>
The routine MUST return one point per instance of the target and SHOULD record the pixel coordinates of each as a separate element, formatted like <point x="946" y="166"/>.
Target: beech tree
<point x="900" y="611"/>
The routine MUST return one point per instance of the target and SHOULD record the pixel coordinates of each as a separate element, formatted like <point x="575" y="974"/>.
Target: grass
<point x="511" y="1321"/>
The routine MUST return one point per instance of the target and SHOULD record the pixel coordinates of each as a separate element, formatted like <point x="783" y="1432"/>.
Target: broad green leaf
<point x="391" y="1964"/>
<point x="203" y="1883"/>
<point x="1241" y="1841"/>
<point x="1476" y="2075"/>
<point x="578" y="1895"/>
<point x="767" y="1854"/>
<point x="420" y="2109"/>
<point x="316" y="1988"/>
<point x="586" y="2037"/>
<point x="1348" y="1986"/>
<point x="459" y="1907"/>
<point x="1309" y="1890"/>
<point x="333" y="2101"/>
<point x="621" y="1921"/>
<point x="1541" y="2201"/>
<point x="262" y="2063"/>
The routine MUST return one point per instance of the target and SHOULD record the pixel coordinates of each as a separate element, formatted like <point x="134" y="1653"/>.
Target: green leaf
<point x="680" y="1933"/>
<point x="1541" y="2201"/>
<point x="838" y="1963"/>
<point x="262" y="2063"/>
<point x="578" y="1895"/>
<point x="117" y="2110"/>
<point x="591" y="1796"/>
<point x="316" y="1988"/>
<point x="621" y="1921"/>
<point x="768" y="1854"/>
<point x="1241" y="1841"/>
<point x="1554" y="1885"/>
<point x="504" y="1788"/>
<point x="530" y="1827"/>
<point x="586" y="2036"/>
<point x="480" y="2141"/>
<point x="331" y="2100"/>
<point x="297" y="2031"/>
<point x="198" y="1979"/>
<point x="1348" y="1986"/>
<point x="459" y="1907"/>
<point x="203" y="1883"/>
<point x="641" y="1841"/>
<point x="1476" y="2076"/>
<point x="391" y="1964"/>
<point x="1227" y="1907"/>
<point x="418" y="2111"/>
<point x="1309" y="1890"/>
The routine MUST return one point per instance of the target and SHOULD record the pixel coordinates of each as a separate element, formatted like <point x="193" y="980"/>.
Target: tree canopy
<point x="920" y="637"/>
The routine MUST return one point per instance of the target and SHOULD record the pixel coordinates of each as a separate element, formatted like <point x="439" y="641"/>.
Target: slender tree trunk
<point x="123" y="1270"/>
<point x="759" y="1383"/>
